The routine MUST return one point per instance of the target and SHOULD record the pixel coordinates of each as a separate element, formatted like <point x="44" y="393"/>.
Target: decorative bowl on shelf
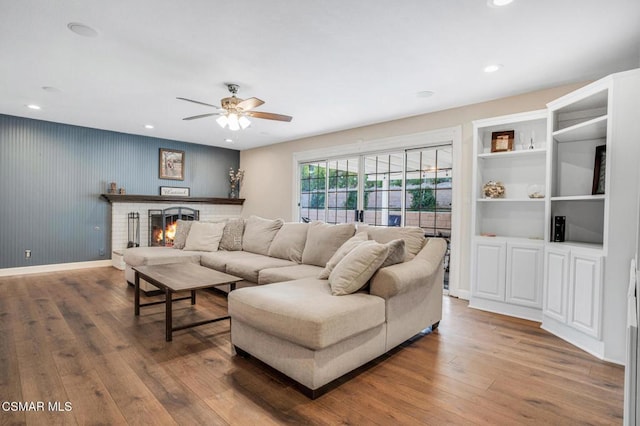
<point x="493" y="189"/>
<point x="535" y="191"/>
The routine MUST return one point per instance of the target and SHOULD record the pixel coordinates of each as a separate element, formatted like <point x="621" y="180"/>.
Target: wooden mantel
<point x="126" y="198"/>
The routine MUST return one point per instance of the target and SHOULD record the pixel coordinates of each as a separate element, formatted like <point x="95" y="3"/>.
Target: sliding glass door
<point x="407" y="187"/>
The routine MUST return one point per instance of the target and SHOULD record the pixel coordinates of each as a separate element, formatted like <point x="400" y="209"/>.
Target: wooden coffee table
<point x="178" y="277"/>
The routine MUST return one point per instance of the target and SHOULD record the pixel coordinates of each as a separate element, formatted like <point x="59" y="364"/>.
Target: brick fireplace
<point x="209" y="209"/>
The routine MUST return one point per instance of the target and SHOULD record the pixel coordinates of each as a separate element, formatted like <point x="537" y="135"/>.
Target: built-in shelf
<point x="510" y="154"/>
<point x="577" y="244"/>
<point x="126" y="198"/>
<point x="511" y="200"/>
<point x="593" y="129"/>
<point x="597" y="197"/>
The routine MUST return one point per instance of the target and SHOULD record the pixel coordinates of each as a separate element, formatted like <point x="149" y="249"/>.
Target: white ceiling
<point x="331" y="64"/>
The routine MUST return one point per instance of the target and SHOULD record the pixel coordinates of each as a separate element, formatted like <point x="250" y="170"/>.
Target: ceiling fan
<point x="234" y="111"/>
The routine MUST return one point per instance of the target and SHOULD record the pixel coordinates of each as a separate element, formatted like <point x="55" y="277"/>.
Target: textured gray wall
<point x="52" y="175"/>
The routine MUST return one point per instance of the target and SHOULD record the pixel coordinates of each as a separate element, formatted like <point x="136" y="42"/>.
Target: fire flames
<point x="169" y="232"/>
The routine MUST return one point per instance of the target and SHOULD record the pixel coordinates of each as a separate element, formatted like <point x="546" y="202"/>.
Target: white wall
<point x="267" y="185"/>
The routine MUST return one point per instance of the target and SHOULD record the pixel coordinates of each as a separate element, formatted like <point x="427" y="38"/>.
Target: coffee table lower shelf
<point x="176" y="278"/>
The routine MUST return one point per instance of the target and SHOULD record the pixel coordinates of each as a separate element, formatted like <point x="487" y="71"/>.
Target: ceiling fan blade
<point x="250" y="103"/>
<point x="269" y="116"/>
<point x="198" y="102"/>
<point x="201" y="116"/>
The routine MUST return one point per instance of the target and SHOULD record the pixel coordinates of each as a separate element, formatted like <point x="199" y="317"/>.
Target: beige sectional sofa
<point x="319" y="300"/>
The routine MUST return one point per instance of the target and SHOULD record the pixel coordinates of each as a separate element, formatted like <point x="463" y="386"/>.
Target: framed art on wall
<point x="171" y="164"/>
<point x="599" y="170"/>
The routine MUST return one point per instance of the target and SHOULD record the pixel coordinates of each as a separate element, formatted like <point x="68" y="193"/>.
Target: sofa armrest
<point x="404" y="277"/>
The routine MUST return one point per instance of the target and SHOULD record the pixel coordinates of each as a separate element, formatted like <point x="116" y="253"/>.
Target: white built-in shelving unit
<point x="508" y="233"/>
<point x="575" y="287"/>
<point x="586" y="275"/>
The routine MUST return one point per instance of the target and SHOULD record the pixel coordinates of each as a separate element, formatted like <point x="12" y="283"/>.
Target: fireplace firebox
<point x="162" y="224"/>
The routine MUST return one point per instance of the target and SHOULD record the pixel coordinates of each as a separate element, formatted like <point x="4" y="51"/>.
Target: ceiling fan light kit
<point x="235" y="111"/>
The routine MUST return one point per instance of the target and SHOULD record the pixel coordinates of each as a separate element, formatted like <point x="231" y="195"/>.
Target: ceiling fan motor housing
<point x="230" y="103"/>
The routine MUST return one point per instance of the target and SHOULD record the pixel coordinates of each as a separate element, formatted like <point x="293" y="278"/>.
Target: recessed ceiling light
<point x="33" y="106"/>
<point x="498" y="3"/>
<point x="82" y="29"/>
<point x="425" y="94"/>
<point x="148" y="126"/>
<point x="493" y="67"/>
<point x="228" y="140"/>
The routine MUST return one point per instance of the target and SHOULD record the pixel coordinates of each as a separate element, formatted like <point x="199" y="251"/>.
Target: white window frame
<point x="402" y="142"/>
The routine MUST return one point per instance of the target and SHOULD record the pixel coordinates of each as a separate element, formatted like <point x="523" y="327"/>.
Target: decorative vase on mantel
<point x="234" y="191"/>
<point x="235" y="179"/>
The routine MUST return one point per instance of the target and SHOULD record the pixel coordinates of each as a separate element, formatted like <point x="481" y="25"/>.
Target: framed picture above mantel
<point x="171" y="164"/>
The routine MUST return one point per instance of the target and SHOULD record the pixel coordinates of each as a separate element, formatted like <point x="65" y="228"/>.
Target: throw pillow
<point x="323" y="240"/>
<point x="344" y="249"/>
<point x="232" y="235"/>
<point x="413" y="236"/>
<point x="204" y="236"/>
<point x="182" y="230"/>
<point x="289" y="242"/>
<point x="259" y="233"/>
<point x="397" y="253"/>
<point x="357" y="267"/>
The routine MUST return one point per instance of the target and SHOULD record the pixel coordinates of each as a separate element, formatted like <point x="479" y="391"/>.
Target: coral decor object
<point x="493" y="189"/>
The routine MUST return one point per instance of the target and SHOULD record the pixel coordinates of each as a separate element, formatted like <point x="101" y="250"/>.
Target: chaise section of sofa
<point x="313" y="336"/>
<point x="302" y="330"/>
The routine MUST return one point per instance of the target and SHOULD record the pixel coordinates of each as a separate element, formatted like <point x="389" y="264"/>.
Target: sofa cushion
<point x="304" y="312"/>
<point x="344" y="249"/>
<point x="204" y="236"/>
<point x="357" y="267"/>
<point x="413" y="236"/>
<point x="289" y="242"/>
<point x="323" y="240"/>
<point x="182" y="230"/>
<point x="287" y="273"/>
<point x="259" y="233"/>
<point x="218" y="259"/>
<point x="397" y="253"/>
<point x="248" y="267"/>
<point x="232" y="235"/>
<point x="138" y="256"/>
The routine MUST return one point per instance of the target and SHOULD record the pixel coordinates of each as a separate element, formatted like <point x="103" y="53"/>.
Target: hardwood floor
<point x="72" y="337"/>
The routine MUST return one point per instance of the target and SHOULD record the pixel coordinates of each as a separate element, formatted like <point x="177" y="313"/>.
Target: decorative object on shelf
<point x="122" y="191"/>
<point x="502" y="141"/>
<point x="113" y="188"/>
<point x="558" y="228"/>
<point x="533" y="135"/>
<point x="171" y="164"/>
<point x="599" y="170"/>
<point x="493" y="189"/>
<point x="535" y="191"/>
<point x="175" y="191"/>
<point x="235" y="179"/>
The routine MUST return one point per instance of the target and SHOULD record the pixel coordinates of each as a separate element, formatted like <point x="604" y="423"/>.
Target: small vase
<point x="233" y="193"/>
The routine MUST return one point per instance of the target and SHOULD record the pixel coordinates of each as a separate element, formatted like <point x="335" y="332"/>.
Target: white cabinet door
<point x="556" y="284"/>
<point x="489" y="270"/>
<point x="524" y="274"/>
<point x="585" y="293"/>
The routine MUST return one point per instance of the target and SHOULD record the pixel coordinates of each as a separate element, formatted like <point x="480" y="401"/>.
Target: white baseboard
<point x="39" y="269"/>
<point x="461" y="294"/>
